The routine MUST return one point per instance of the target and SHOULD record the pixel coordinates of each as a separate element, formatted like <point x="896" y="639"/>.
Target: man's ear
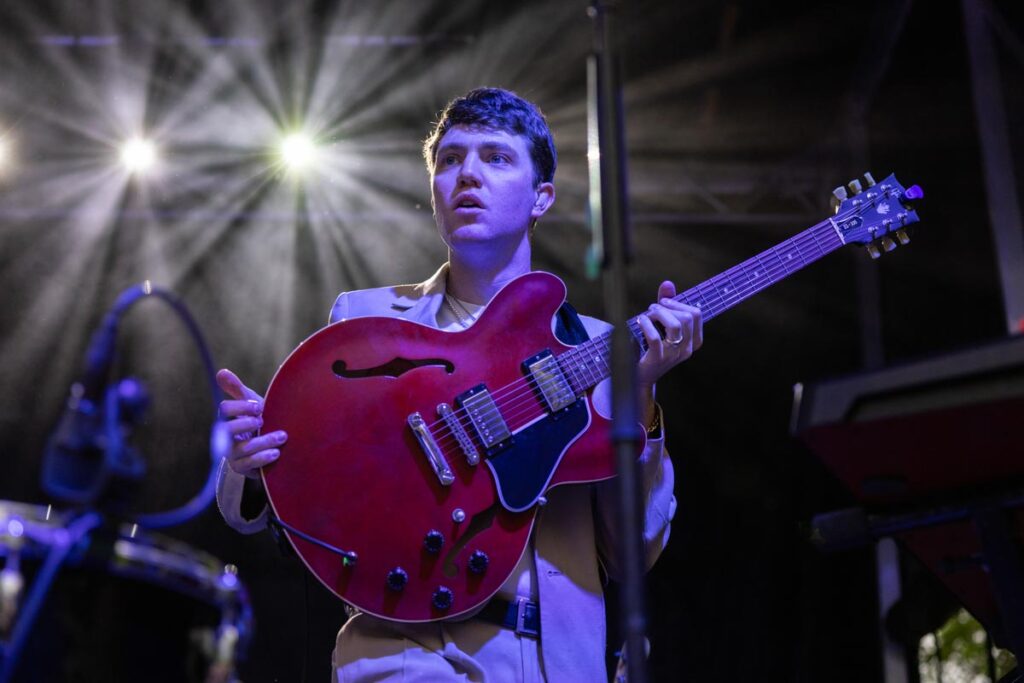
<point x="545" y="198"/>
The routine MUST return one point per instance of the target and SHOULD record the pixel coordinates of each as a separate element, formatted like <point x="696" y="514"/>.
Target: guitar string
<point x="504" y="408"/>
<point x="800" y="243"/>
<point x="519" y="408"/>
<point x="796" y="244"/>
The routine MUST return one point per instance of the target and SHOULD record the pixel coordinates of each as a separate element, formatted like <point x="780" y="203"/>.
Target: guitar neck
<point x="590" y="362"/>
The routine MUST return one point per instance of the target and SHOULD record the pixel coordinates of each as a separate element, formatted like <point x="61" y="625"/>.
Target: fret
<point x="829" y="236"/>
<point x="781" y="265"/>
<point x="716" y="307"/>
<point x="793" y="256"/>
<point x="568" y="363"/>
<point x="814" y="235"/>
<point x="801" y="249"/>
<point x="638" y="334"/>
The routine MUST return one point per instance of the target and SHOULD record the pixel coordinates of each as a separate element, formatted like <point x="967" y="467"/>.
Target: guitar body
<point x="354" y="475"/>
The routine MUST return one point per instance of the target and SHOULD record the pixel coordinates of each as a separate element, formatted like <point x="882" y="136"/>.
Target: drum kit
<point x="129" y="604"/>
<point x="91" y="592"/>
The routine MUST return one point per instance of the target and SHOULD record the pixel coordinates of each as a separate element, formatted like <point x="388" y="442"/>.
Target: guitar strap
<point x="568" y="326"/>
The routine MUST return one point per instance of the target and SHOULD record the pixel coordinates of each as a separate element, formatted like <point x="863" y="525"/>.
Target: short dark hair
<point x="502" y="110"/>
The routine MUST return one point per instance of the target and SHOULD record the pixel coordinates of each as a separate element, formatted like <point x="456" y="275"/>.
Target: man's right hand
<point x="244" y="412"/>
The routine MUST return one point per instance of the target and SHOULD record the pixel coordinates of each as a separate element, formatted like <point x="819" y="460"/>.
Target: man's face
<point x="483" y="186"/>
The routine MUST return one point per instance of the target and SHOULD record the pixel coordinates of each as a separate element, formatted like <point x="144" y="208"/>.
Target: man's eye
<point x="499" y="159"/>
<point x="449" y="160"/>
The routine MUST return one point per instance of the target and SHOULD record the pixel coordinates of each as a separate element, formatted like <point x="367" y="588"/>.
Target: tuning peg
<point x="873" y="250"/>
<point x="854" y="186"/>
<point x="840" y="193"/>
<point x="902" y="236"/>
<point x="888" y="244"/>
<point x="870" y="179"/>
<point x="913" y="192"/>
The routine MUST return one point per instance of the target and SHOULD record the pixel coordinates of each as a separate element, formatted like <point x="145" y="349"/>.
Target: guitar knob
<point x="433" y="541"/>
<point x="855" y="186"/>
<point x="888" y="244"/>
<point x="873" y="250"/>
<point x="902" y="236"/>
<point x="870" y="179"/>
<point x="397" y="578"/>
<point x="478" y="562"/>
<point x="443" y="598"/>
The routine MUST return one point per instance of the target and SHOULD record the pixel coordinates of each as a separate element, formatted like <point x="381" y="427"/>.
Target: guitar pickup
<point x="549" y="381"/>
<point x="486" y="419"/>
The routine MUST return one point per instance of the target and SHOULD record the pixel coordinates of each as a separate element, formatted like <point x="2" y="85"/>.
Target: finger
<point x="673" y="322"/>
<point x="262" y="442"/>
<point x="250" y="464"/>
<point x="233" y="387"/>
<point x="654" y="342"/>
<point x="239" y="408"/>
<point x="666" y="290"/>
<point x="244" y="424"/>
<point x="696" y="315"/>
<point x="698" y="332"/>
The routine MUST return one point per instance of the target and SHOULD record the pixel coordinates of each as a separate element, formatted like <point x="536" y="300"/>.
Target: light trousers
<point x="371" y="649"/>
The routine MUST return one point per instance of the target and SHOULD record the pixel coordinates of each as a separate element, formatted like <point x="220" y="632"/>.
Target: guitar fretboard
<point x="589" y="363"/>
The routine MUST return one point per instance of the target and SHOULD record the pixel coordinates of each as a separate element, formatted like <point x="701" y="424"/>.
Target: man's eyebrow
<point x="450" y="147"/>
<point x="488" y="145"/>
<point x="498" y="145"/>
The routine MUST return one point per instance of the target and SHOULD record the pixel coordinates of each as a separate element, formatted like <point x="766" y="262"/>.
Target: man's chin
<point x="473" y="232"/>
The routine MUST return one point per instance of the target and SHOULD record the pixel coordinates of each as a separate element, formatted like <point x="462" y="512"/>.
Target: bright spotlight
<point x="138" y="155"/>
<point x="298" y="152"/>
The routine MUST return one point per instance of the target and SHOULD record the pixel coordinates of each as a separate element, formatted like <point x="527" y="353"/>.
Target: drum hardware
<point x="81" y="541"/>
<point x="89" y="464"/>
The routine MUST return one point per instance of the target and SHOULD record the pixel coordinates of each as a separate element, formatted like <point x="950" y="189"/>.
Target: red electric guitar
<point x="416" y="458"/>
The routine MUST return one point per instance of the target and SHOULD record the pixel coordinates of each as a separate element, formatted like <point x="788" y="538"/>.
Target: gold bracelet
<point x="655" y="425"/>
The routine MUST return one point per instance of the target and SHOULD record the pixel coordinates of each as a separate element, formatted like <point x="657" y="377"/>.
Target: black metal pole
<point x="610" y="219"/>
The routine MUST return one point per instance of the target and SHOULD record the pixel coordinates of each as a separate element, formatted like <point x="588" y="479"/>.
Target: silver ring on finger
<point x="243" y="437"/>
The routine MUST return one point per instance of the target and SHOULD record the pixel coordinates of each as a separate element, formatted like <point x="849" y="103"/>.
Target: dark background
<point x="741" y="117"/>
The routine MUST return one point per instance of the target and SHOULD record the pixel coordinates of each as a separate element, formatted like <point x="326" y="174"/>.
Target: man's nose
<point x="469" y="172"/>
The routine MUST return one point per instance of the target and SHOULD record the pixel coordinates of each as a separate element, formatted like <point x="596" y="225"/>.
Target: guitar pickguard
<point x="522" y="471"/>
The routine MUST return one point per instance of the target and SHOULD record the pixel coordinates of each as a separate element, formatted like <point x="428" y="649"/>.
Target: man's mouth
<point x="468" y="203"/>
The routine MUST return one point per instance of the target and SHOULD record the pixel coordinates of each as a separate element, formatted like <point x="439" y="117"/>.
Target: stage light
<point x="138" y="155"/>
<point x="298" y="151"/>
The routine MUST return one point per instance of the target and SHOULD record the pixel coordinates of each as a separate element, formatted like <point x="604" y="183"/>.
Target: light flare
<point x="138" y="155"/>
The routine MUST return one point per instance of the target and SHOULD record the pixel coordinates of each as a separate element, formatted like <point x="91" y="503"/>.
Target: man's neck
<point x="477" y="280"/>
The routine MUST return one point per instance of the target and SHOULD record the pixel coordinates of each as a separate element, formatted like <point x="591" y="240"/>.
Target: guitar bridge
<point x="433" y="452"/>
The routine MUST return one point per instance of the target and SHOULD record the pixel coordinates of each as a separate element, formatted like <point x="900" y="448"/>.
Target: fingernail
<point x="279" y="437"/>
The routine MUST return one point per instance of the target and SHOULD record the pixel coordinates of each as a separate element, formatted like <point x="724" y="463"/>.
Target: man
<point x="492" y="161"/>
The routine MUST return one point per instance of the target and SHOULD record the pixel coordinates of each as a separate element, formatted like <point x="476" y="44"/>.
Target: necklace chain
<point x="454" y="304"/>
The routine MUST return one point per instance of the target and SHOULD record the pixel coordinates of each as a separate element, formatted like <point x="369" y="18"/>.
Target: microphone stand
<point x="612" y="248"/>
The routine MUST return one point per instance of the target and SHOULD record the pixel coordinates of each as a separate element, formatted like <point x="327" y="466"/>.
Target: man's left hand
<point x="684" y="334"/>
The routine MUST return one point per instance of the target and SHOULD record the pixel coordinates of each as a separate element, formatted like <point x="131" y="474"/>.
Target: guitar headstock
<point x="875" y="215"/>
